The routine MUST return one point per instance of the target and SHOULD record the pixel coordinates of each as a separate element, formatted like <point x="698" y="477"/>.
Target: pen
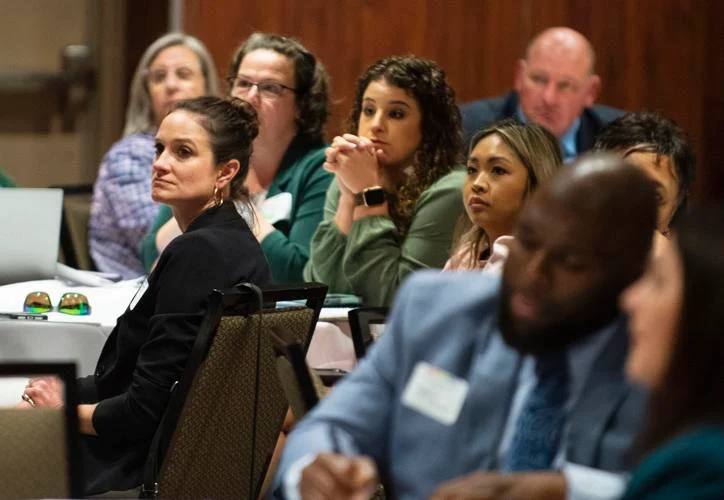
<point x="29" y="316"/>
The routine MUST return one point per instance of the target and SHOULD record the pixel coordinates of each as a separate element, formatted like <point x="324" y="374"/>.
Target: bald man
<point x="475" y="374"/>
<point x="555" y="87"/>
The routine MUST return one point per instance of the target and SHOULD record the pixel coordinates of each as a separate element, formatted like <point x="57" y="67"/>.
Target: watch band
<point x="370" y="197"/>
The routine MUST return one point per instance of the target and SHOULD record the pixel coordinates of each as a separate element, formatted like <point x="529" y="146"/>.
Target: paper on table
<point x="87" y="278"/>
<point x="278" y="207"/>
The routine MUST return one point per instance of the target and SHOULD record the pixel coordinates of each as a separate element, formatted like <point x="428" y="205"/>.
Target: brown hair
<point x="441" y="144"/>
<point x="232" y="126"/>
<point x="691" y="393"/>
<point x="537" y="149"/>
<point x="310" y="79"/>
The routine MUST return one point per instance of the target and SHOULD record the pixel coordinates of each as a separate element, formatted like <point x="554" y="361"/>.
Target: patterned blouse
<point x="122" y="210"/>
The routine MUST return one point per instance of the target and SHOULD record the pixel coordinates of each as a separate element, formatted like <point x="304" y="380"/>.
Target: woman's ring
<point x="28" y="400"/>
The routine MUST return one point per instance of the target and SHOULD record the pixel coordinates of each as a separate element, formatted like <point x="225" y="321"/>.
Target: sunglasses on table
<point x="70" y="303"/>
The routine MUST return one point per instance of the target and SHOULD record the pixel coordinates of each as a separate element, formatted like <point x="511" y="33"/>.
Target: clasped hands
<point x="355" y="478"/>
<point x="43" y="392"/>
<point x="353" y="159"/>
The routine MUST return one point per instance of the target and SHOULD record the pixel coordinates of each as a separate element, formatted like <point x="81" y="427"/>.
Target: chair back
<point x="39" y="447"/>
<point x="74" y="226"/>
<point x="225" y="415"/>
<point x="361" y="322"/>
<point x="301" y="385"/>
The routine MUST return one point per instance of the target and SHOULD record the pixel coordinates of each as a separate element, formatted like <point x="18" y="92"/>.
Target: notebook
<point x="29" y="233"/>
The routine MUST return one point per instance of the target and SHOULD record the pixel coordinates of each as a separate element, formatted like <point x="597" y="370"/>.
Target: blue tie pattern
<point x="539" y="427"/>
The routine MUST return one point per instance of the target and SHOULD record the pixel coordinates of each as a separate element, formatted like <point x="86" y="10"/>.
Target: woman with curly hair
<point x="288" y="88"/>
<point x="507" y="162"/>
<point x="391" y="207"/>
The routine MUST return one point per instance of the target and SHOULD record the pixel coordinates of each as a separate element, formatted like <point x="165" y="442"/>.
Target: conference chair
<point x="39" y="447"/>
<point x="362" y="321"/>
<point x="222" y="423"/>
<point x="301" y="385"/>
<point x="74" y="226"/>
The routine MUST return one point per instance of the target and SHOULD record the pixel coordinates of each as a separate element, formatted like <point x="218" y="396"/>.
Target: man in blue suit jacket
<point x="445" y="391"/>
<point x="555" y="87"/>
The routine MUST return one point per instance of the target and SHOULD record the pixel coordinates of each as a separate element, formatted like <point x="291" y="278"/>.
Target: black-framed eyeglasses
<point x="268" y="89"/>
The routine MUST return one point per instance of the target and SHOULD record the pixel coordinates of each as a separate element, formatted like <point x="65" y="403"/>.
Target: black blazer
<point x="148" y="349"/>
<point x="482" y="113"/>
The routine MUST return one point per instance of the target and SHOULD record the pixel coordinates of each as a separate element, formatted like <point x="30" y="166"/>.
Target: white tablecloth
<point x="65" y="337"/>
<point x="107" y="302"/>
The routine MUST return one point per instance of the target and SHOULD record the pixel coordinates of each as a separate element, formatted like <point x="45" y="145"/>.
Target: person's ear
<point x="226" y="173"/>
<point x="594" y="88"/>
<point x="521" y="68"/>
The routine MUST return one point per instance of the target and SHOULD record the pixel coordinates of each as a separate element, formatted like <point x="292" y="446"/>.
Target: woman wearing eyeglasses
<point x="172" y="68"/>
<point x="395" y="200"/>
<point x="287" y="87"/>
<point x="201" y="162"/>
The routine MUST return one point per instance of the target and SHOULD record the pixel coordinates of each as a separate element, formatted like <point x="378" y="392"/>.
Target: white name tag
<point x="435" y="393"/>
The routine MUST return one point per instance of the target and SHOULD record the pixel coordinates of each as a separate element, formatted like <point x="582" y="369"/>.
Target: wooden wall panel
<point x="146" y="21"/>
<point x="712" y="138"/>
<point x="465" y="36"/>
<point x="664" y="55"/>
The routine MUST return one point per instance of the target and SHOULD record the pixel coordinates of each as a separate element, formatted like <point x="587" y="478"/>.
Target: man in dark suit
<point x="522" y="376"/>
<point x="555" y="87"/>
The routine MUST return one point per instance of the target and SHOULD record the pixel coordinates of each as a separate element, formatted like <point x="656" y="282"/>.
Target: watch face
<point x="375" y="196"/>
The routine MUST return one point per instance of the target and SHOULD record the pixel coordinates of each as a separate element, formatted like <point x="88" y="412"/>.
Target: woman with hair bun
<point x="202" y="159"/>
<point x="288" y="88"/>
<point x="174" y="67"/>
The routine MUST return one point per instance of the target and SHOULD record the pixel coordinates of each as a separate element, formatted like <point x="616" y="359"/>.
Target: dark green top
<point x="373" y="259"/>
<point x="287" y="248"/>
<point x="689" y="467"/>
<point x="5" y="180"/>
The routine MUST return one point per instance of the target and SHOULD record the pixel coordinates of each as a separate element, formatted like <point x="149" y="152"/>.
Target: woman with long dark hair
<point x="676" y="314"/>
<point x="393" y="204"/>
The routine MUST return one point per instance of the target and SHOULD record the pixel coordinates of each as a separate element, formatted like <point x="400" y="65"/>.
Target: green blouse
<point x="287" y="248"/>
<point x="5" y="180"/>
<point x="690" y="466"/>
<point x="373" y="259"/>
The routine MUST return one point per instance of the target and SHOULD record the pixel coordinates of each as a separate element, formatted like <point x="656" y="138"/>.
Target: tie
<point x="539" y="427"/>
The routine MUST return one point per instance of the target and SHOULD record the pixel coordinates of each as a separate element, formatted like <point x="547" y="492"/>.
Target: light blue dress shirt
<point x="567" y="142"/>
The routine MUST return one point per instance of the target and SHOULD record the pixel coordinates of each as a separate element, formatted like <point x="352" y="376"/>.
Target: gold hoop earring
<point x="218" y="197"/>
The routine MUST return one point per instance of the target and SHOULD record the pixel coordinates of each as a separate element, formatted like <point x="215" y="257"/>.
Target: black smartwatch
<point x="370" y="197"/>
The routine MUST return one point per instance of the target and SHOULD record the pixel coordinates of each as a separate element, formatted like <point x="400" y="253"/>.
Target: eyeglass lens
<point x="266" y="89"/>
<point x="37" y="302"/>
<point x="70" y="303"/>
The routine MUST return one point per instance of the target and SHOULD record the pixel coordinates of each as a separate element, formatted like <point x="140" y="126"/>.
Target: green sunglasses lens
<point x="37" y="302"/>
<point x="74" y="303"/>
